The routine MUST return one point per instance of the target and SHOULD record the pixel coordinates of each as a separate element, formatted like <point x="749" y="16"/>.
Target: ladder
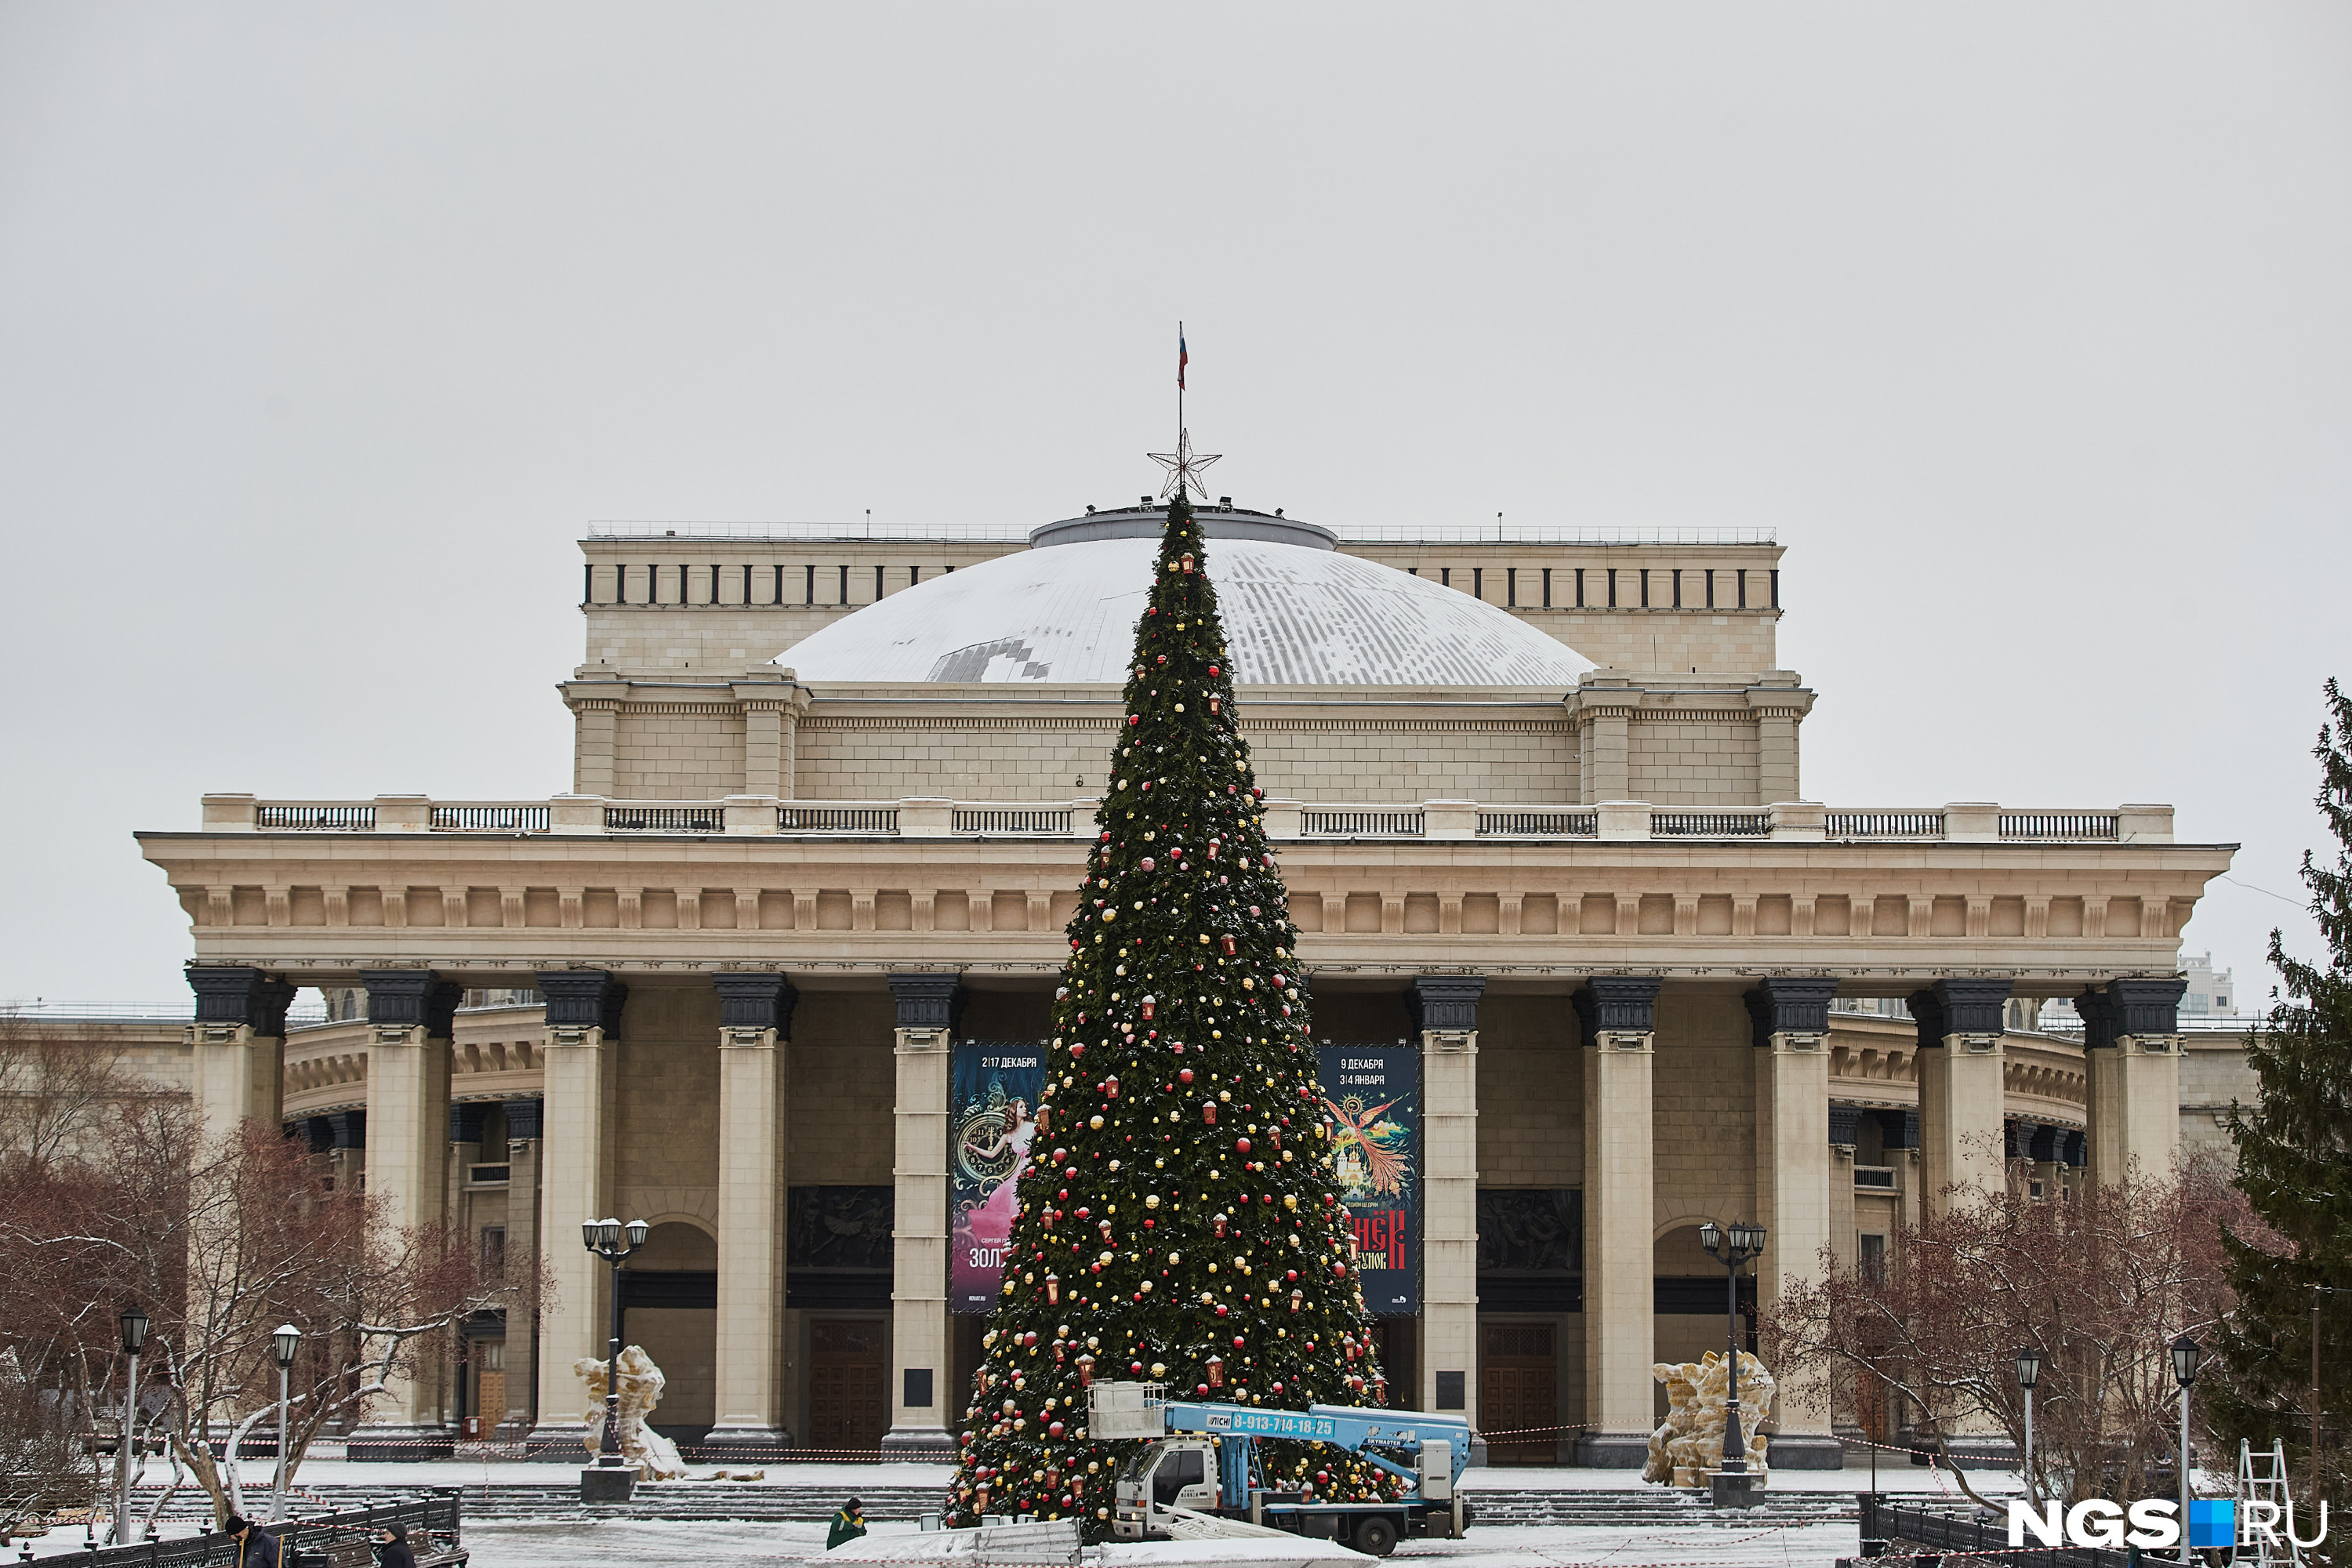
<point x="2262" y="1478"/>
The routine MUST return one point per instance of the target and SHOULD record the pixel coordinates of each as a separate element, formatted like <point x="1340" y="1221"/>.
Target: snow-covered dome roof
<point x="1295" y="616"/>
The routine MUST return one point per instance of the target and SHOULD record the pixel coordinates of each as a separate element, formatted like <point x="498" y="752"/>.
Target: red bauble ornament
<point x="1184" y="1075"/>
<point x="1241" y="1145"/>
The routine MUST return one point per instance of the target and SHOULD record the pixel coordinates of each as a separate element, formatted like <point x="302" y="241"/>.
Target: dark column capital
<point x="927" y="1000"/>
<point x="348" y="1129"/>
<point x="2017" y="1136"/>
<point x="231" y="995"/>
<point x="319" y="1132"/>
<point x="756" y="1001"/>
<point x="583" y="999"/>
<point x="1619" y="1003"/>
<point x="1445" y="1001"/>
<point x="1790" y="1005"/>
<point x="1845" y="1123"/>
<point x="2048" y="1145"/>
<point x="411" y="998"/>
<point x="524" y="1119"/>
<point x="1899" y="1129"/>
<point x="2145" y="1006"/>
<point x="465" y="1122"/>
<point x="2098" y="1020"/>
<point x="2075" y="1149"/>
<point x="1960" y="1005"/>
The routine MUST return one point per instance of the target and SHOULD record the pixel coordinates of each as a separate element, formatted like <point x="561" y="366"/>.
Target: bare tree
<point x="2098" y="1285"/>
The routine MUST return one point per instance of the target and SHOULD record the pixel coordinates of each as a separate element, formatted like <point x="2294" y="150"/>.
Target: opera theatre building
<point x="1592" y="963"/>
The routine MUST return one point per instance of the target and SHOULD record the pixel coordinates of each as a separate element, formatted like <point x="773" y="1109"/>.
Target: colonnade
<point x="238" y="1037"/>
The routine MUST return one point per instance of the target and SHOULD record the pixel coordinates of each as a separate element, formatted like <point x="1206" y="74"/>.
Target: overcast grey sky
<point x="324" y="329"/>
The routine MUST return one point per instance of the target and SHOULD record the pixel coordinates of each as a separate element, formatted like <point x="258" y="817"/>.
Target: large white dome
<point x="1294" y="616"/>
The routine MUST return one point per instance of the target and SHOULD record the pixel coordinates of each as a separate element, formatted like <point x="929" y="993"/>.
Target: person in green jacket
<point x="847" y="1525"/>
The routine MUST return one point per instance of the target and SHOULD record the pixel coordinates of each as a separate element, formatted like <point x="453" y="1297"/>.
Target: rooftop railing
<point x="925" y="816"/>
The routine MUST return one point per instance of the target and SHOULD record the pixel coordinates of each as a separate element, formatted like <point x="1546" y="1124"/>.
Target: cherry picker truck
<point x="1202" y="1456"/>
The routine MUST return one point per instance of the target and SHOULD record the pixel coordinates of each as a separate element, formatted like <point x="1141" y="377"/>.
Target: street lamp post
<point x="2029" y="1372"/>
<point x="2186" y="1354"/>
<point x="285" y="1343"/>
<point x="609" y="1479"/>
<point x="1733" y="1246"/>
<point x="134" y="1340"/>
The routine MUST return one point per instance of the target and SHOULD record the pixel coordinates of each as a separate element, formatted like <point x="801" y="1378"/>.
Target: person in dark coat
<point x="393" y="1549"/>
<point x="256" y="1547"/>
<point x="847" y="1525"/>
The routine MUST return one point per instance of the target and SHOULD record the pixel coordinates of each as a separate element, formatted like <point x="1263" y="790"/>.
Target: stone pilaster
<point x="772" y="704"/>
<point x="583" y="1027"/>
<point x="595" y="732"/>
<point x="523" y="1123"/>
<point x="1961" y="1091"/>
<point x="1795" y="1167"/>
<point x="1445" y="1012"/>
<point x="238" y="1043"/>
<point x="755" y="1023"/>
<point x="410" y="1014"/>
<point x="927" y="1007"/>
<point x="1619" y="1333"/>
<point x="2132" y="1053"/>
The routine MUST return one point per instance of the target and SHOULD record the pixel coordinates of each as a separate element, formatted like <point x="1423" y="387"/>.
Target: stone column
<point x="1795" y="1164"/>
<point x="1620" y="1207"/>
<point x="410" y="1017"/>
<point x="772" y="705"/>
<point x="239" y="1042"/>
<point x="583" y="1025"/>
<point x="2132" y="1052"/>
<point x="1608" y="738"/>
<point x="755" y="1023"/>
<point x="1445" y="1012"/>
<point x="927" y="1007"/>
<point x="1961" y="1091"/>
<point x="522" y="1253"/>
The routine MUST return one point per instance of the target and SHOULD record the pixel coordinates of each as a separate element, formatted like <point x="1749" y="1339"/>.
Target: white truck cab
<point x="1175" y="1472"/>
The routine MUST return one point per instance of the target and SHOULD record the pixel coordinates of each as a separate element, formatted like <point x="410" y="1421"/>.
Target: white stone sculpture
<point x="1689" y="1442"/>
<point x="653" y="1456"/>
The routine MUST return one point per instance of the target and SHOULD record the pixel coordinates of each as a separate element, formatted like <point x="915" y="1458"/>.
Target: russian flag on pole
<point x="1183" y="359"/>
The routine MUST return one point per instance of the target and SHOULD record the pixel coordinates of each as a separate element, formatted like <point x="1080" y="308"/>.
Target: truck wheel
<point x="1375" y="1537"/>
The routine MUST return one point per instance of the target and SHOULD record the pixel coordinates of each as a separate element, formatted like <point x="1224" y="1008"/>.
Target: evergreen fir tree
<point x="1179" y="1221"/>
<point x="2294" y="1162"/>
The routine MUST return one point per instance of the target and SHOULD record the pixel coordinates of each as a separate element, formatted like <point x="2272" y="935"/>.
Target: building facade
<point x="1539" y="807"/>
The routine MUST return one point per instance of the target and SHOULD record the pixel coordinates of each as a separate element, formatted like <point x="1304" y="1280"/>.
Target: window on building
<point x="1872" y="1255"/>
<point x="494" y="1250"/>
<point x="877" y="582"/>
<point x="1547" y="587"/>
<point x="809" y="596"/>
<point x="1678" y="588"/>
<point x="1477" y="582"/>
<point x="778" y="598"/>
<point x="1580" y="587"/>
<point x="1446" y="577"/>
<point x="1612" y="587"/>
<point x="845" y="585"/>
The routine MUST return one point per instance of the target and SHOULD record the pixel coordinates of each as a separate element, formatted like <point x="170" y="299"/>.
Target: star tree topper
<point x="1183" y="466"/>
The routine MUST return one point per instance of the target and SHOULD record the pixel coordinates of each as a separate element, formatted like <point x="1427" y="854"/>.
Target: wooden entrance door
<point x="1519" y="1381"/>
<point x="848" y="1380"/>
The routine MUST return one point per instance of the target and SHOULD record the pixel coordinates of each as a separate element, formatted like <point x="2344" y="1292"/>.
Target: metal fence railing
<point x="1980" y="1537"/>
<point x="1883" y="824"/>
<point x="2058" y="824"/>
<point x="664" y="819"/>
<point x="837" y="819"/>
<point x="489" y="819"/>
<point x="1364" y="823"/>
<point x="1710" y="823"/>
<point x="344" y="1539"/>
<point x="315" y="818"/>
<point x="1012" y="819"/>
<point x="1538" y="823"/>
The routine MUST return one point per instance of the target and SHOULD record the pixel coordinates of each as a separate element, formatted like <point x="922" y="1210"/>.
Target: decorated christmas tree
<point x="1179" y="1222"/>
<point x="2295" y="1150"/>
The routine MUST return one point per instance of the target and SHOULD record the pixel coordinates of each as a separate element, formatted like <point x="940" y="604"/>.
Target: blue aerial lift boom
<point x="1202" y="1456"/>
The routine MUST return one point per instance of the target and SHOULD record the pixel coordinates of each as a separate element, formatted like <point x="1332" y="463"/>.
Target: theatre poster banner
<point x="1372" y="1094"/>
<point x="993" y="1085"/>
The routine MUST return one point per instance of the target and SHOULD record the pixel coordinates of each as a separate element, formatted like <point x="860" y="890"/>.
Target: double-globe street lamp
<point x="134" y="1327"/>
<point x="2186" y="1354"/>
<point x="606" y="1238"/>
<point x="2029" y="1372"/>
<point x="283" y="1344"/>
<point x="1733" y="1246"/>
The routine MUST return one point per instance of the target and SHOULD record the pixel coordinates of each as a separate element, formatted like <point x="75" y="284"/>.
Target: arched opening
<point x="669" y="1306"/>
<point x="1688" y="1295"/>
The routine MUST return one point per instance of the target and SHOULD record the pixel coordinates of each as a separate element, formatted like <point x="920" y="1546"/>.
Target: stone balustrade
<point x="921" y="816"/>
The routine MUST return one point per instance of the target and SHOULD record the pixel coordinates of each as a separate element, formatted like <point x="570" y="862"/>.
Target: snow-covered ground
<point x="693" y="1545"/>
<point x="1897" y="1475"/>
